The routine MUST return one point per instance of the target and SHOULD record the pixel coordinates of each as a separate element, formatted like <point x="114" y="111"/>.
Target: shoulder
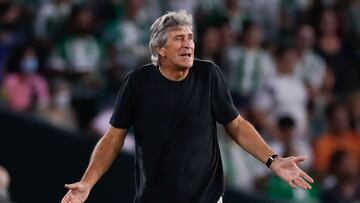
<point x="141" y="71"/>
<point x="11" y="78"/>
<point x="141" y="74"/>
<point x="206" y="66"/>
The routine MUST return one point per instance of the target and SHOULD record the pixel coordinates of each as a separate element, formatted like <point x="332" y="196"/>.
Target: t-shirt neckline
<point x="172" y="81"/>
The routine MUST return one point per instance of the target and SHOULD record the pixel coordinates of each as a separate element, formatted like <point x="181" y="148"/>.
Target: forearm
<point x="102" y="157"/>
<point x="244" y="134"/>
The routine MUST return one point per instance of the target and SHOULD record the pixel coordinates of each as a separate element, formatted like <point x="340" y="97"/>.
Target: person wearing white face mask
<point x="25" y="89"/>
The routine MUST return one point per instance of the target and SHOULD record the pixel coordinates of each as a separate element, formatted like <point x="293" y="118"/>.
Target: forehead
<point x="179" y="30"/>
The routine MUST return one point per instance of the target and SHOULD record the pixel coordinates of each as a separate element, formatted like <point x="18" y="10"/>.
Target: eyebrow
<point x="180" y="35"/>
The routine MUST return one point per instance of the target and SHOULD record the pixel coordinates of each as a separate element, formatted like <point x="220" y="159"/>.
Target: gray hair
<point x="158" y="30"/>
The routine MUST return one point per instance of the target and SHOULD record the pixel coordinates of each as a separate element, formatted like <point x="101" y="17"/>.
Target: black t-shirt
<point x="177" y="152"/>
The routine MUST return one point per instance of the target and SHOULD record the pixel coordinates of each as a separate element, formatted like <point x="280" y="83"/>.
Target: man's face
<point x="179" y="48"/>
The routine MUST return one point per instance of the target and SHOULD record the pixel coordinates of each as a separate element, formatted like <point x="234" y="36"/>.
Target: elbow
<point x="235" y="127"/>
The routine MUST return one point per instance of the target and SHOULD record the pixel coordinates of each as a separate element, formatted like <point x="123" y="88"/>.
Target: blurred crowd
<point x="292" y="66"/>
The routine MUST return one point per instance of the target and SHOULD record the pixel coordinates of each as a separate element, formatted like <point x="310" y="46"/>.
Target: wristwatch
<point x="271" y="159"/>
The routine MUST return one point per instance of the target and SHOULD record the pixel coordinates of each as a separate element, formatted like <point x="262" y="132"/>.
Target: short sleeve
<point x="123" y="113"/>
<point x="223" y="108"/>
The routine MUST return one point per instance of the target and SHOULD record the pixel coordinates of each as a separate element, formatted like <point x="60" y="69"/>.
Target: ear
<point x="161" y="51"/>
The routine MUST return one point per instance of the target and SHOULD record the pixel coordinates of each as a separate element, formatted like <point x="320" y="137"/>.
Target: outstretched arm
<point x="243" y="133"/>
<point x="103" y="155"/>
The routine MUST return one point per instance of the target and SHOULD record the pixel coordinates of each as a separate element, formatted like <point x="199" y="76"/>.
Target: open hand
<point x="78" y="193"/>
<point x="288" y="169"/>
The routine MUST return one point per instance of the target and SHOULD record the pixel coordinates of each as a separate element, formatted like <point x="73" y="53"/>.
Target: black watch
<point x="270" y="160"/>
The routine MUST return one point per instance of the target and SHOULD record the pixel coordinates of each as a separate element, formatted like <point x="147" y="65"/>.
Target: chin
<point x="186" y="65"/>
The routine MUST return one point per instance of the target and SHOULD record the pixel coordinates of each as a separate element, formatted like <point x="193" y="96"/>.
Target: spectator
<point x="188" y="5"/>
<point x="217" y="28"/>
<point x="249" y="67"/>
<point x="79" y="59"/>
<point x="338" y="136"/>
<point x="51" y="20"/>
<point x="80" y="52"/>
<point x="210" y="43"/>
<point x="129" y="35"/>
<point x="269" y="18"/>
<point x="282" y="94"/>
<point x="24" y="88"/>
<point x="59" y="112"/>
<point x="352" y="19"/>
<point x="345" y="167"/>
<point x="335" y="52"/>
<point x="354" y="105"/>
<point x="10" y="31"/>
<point x="311" y="67"/>
<point x="236" y="15"/>
<point x="316" y="107"/>
<point x="287" y="144"/>
<point x="4" y="186"/>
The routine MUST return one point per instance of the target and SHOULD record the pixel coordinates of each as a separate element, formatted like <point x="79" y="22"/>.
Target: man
<point x="173" y="105"/>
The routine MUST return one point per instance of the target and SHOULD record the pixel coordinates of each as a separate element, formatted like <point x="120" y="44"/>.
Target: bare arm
<point x="243" y="133"/>
<point x="104" y="154"/>
<point x="102" y="157"/>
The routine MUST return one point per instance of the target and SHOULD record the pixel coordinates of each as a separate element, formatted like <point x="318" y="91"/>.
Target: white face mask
<point x="29" y="65"/>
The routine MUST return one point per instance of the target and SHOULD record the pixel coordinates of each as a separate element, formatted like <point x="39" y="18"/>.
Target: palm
<point x="288" y="170"/>
<point x="77" y="193"/>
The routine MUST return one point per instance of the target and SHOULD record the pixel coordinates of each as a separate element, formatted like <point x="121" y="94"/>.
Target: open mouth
<point x="186" y="55"/>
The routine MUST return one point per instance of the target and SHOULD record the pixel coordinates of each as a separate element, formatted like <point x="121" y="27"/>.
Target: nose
<point x="188" y="43"/>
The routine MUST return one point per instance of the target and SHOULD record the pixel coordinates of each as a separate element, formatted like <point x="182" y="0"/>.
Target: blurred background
<point x="293" y="68"/>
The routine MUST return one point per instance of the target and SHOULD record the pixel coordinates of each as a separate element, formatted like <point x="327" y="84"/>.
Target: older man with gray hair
<point x="173" y="105"/>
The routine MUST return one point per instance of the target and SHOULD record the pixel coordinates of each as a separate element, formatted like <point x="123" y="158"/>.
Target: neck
<point x="173" y="73"/>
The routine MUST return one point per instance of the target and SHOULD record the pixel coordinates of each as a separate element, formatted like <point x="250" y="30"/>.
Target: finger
<point x="299" y="158"/>
<point x="292" y="184"/>
<point x="297" y="183"/>
<point x="81" y="200"/>
<point x="73" y="186"/>
<point x="304" y="184"/>
<point x="306" y="177"/>
<point x="66" y="197"/>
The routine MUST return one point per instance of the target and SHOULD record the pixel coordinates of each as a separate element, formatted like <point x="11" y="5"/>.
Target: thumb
<point x="299" y="159"/>
<point x="73" y="186"/>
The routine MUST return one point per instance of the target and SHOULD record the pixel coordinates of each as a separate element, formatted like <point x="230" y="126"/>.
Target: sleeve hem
<point x="227" y="121"/>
